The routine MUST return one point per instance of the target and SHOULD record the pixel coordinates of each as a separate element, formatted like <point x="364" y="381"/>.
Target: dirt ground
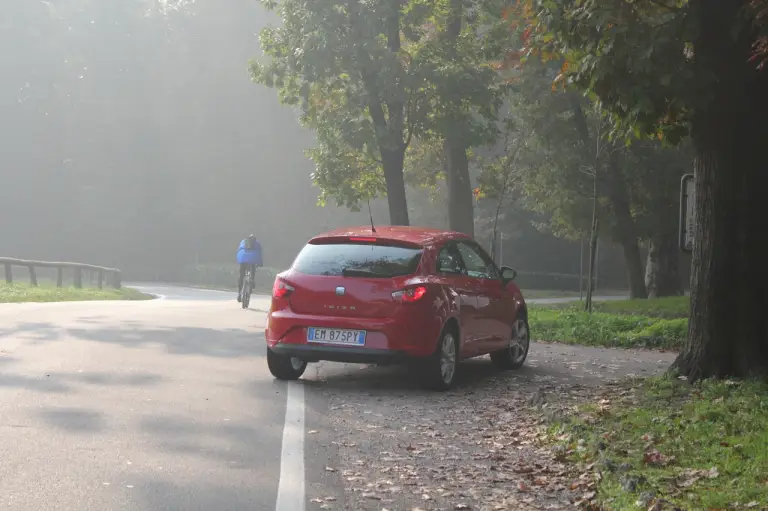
<point x="397" y="447"/>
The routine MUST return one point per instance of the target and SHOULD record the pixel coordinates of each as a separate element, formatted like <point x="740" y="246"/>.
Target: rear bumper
<point x="407" y="333"/>
<point x="350" y="355"/>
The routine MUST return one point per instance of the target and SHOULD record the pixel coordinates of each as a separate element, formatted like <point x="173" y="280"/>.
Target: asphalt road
<point x="158" y="405"/>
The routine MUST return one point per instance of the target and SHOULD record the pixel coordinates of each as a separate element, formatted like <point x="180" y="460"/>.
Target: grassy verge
<point x="660" y="323"/>
<point x="603" y="329"/>
<point x="15" y="293"/>
<point x="668" y="307"/>
<point x="669" y="444"/>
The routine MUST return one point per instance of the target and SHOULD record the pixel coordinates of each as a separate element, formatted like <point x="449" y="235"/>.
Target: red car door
<point x="495" y="307"/>
<point x="452" y="271"/>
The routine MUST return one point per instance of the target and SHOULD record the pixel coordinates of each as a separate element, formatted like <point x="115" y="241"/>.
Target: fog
<point x="133" y="137"/>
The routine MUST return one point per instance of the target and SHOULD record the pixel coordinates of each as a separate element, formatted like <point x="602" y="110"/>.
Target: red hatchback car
<point x="395" y="295"/>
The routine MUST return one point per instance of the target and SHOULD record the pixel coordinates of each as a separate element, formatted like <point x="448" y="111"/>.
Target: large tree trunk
<point x="461" y="209"/>
<point x="625" y="231"/>
<point x="389" y="125"/>
<point x="393" y="175"/>
<point x="662" y="268"/>
<point x="634" y="263"/>
<point x="728" y="325"/>
<point x="461" y="212"/>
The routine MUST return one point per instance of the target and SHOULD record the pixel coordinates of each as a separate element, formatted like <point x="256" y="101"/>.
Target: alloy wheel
<point x="518" y="347"/>
<point x="296" y="363"/>
<point x="448" y="357"/>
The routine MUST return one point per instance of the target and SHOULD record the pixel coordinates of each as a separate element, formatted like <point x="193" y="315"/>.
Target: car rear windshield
<point x="367" y="260"/>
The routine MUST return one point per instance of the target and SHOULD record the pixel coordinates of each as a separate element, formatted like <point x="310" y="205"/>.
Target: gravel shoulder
<point x="390" y="445"/>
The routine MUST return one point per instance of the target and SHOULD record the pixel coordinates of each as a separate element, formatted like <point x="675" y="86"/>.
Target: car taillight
<point x="411" y="294"/>
<point x="281" y="289"/>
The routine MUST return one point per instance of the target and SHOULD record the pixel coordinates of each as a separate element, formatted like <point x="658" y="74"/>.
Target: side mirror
<point x="508" y="274"/>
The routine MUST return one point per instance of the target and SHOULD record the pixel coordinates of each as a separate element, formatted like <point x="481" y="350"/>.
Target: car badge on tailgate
<point x="340" y="307"/>
<point x="340" y="291"/>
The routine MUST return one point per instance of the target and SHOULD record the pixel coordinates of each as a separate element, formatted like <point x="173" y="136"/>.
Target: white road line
<point x="290" y="488"/>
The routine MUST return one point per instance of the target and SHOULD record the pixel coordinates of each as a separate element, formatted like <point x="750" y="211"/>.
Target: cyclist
<point x="248" y="257"/>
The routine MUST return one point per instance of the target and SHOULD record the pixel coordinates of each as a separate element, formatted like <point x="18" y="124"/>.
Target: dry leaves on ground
<point x="478" y="451"/>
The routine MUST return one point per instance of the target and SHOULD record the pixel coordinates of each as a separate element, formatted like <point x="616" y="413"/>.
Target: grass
<point x="16" y="293"/>
<point x="661" y="323"/>
<point x="668" y="307"/>
<point x="602" y="329"/>
<point x="702" y="446"/>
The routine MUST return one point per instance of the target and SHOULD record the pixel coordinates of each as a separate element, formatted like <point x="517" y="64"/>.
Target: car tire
<point x="284" y="367"/>
<point x="513" y="357"/>
<point x="439" y="371"/>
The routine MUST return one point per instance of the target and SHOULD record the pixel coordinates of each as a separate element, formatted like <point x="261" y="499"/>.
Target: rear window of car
<point x="366" y="260"/>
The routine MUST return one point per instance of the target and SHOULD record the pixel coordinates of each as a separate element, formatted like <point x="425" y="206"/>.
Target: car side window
<point x="478" y="264"/>
<point x="449" y="261"/>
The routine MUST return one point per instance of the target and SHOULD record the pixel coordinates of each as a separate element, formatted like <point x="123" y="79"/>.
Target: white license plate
<point x="336" y="336"/>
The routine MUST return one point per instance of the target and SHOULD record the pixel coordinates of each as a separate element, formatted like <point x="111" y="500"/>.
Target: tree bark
<point x="625" y="231"/>
<point x="662" y="269"/>
<point x="393" y="175"/>
<point x="461" y="209"/>
<point x="728" y="324"/>
<point x="389" y="125"/>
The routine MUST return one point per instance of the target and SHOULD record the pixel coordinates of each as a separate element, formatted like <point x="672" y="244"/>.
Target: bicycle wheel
<point x="246" y="293"/>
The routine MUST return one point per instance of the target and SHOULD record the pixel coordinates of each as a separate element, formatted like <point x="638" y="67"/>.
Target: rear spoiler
<point x="365" y="239"/>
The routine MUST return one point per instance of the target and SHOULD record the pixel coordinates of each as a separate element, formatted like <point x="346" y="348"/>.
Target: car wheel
<point x="514" y="356"/>
<point x="284" y="367"/>
<point x="440" y="369"/>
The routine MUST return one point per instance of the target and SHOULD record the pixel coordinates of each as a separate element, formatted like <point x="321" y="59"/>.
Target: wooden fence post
<point x="59" y="276"/>
<point x="78" y="277"/>
<point x="101" y="279"/>
<point x="8" y="273"/>
<point x="32" y="275"/>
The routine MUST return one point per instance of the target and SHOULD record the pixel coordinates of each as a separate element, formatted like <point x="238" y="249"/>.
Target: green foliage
<point x="702" y="446"/>
<point x="464" y="92"/>
<point x="570" y="142"/>
<point x="17" y="293"/>
<point x="636" y="57"/>
<point x="364" y="89"/>
<point x="602" y="329"/>
<point x="345" y="67"/>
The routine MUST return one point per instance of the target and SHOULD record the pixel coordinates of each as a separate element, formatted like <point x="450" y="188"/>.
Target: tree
<point x="670" y="68"/>
<point x="499" y="178"/>
<point x="571" y="144"/>
<point x="464" y="96"/>
<point x="345" y="66"/>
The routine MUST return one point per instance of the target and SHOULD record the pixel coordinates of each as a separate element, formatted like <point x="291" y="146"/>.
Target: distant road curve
<point x="173" y="292"/>
<point x="176" y="292"/>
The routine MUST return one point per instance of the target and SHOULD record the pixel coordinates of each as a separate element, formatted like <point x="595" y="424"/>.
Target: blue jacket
<point x="249" y="256"/>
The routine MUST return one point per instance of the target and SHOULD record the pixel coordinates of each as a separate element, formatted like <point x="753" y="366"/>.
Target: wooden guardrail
<point x="112" y="276"/>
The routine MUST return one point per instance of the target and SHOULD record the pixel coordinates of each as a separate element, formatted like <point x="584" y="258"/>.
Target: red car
<point x="395" y="295"/>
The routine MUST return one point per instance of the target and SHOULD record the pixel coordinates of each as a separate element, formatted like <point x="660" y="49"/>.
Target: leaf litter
<point x="476" y="448"/>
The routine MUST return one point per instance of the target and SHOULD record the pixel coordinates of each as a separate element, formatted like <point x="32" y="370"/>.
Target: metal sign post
<point x="687" y="217"/>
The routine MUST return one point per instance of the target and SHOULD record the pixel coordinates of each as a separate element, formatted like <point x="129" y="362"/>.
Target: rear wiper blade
<point x="359" y="272"/>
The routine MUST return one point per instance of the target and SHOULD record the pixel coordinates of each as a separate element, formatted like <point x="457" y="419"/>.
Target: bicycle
<point x="247" y="288"/>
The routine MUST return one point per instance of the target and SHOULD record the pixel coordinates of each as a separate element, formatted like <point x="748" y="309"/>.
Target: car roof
<point x="417" y="235"/>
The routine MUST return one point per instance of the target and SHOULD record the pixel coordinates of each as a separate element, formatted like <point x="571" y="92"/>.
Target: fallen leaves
<point x="655" y="458"/>
<point x="474" y="449"/>
<point x="689" y="477"/>
<point x="454" y="457"/>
